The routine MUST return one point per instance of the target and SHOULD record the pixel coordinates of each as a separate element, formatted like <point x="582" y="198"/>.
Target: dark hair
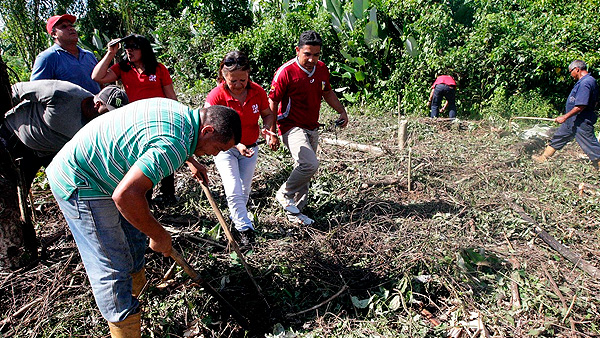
<point x="226" y="122"/>
<point x="148" y="56"/>
<point x="234" y="60"/>
<point x="310" y="38"/>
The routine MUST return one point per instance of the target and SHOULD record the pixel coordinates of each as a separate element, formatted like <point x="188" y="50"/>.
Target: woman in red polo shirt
<point x="143" y="77"/>
<point x="236" y="166"/>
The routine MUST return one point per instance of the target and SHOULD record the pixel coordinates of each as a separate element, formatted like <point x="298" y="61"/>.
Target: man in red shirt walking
<point x="296" y="92"/>
<point x="443" y="87"/>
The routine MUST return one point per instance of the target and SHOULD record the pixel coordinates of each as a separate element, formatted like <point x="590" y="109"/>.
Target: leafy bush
<point x="530" y="103"/>
<point x="374" y="49"/>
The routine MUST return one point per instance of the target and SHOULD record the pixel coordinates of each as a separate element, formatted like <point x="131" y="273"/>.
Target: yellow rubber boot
<point x="131" y="327"/>
<point x="138" y="282"/>
<point x="548" y="152"/>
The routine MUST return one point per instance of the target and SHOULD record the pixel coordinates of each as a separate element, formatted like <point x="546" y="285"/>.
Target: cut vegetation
<point x="453" y="255"/>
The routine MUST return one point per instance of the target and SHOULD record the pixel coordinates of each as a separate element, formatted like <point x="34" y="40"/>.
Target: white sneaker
<point x="288" y="204"/>
<point x="300" y="219"/>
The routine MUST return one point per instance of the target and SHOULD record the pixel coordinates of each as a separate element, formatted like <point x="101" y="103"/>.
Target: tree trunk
<point x="18" y="244"/>
<point x="5" y="91"/>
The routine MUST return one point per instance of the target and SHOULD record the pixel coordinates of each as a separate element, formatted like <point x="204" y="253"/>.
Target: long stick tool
<point x="232" y="242"/>
<point x="529" y="118"/>
<point x="212" y="291"/>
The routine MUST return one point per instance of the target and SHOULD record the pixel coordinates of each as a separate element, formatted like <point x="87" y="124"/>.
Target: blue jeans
<point x="582" y="129"/>
<point x="110" y="248"/>
<point x="443" y="91"/>
<point x="236" y="172"/>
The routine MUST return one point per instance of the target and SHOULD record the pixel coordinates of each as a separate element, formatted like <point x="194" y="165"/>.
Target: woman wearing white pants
<point x="236" y="166"/>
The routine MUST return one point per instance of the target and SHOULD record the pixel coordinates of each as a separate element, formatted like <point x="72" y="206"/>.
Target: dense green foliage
<point x="508" y="56"/>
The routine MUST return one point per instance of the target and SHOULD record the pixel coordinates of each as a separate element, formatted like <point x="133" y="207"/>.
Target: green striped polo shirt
<point x="157" y="135"/>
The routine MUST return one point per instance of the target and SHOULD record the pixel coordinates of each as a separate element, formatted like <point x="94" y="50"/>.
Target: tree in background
<point x="503" y="53"/>
<point x="18" y="243"/>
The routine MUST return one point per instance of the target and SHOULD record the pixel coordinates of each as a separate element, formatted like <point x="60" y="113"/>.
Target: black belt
<point x="251" y="145"/>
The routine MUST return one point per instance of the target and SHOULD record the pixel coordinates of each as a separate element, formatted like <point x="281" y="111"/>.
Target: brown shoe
<point x="548" y="152"/>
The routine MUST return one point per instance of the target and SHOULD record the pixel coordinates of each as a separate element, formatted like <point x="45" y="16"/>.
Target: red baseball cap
<point x="53" y="20"/>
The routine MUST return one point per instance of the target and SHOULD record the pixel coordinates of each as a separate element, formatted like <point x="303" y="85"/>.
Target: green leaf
<point x="372" y="28"/>
<point x="359" y="7"/>
<point x="337" y="25"/>
<point x="346" y="55"/>
<point x="361" y="303"/>
<point x="360" y="76"/>
<point x="96" y="40"/>
<point x="350" y="98"/>
<point x="334" y="7"/>
<point x="215" y="232"/>
<point x="412" y="47"/>
<point x="350" y="20"/>
<point x="235" y="260"/>
<point x="395" y="303"/>
<point x="348" y="68"/>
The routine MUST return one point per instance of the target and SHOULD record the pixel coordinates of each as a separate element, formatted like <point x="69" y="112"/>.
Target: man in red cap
<point x="65" y="60"/>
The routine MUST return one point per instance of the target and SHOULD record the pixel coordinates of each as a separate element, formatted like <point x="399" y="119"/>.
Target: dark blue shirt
<point x="56" y="63"/>
<point x="584" y="93"/>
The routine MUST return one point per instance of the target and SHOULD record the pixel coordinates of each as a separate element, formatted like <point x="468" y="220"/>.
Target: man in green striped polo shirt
<point x="100" y="179"/>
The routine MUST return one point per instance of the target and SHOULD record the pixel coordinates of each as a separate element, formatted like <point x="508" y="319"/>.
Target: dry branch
<point x="18" y="313"/>
<point x="514" y="286"/>
<point x="588" y="188"/>
<point x="355" y="146"/>
<point x="560" y="296"/>
<point x="556" y="245"/>
<point x="430" y="317"/>
<point x="344" y="288"/>
<point x="386" y="180"/>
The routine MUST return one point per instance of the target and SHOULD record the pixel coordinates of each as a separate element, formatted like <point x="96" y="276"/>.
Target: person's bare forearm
<point x="99" y="73"/>
<point x="576" y="110"/>
<point x="130" y="200"/>
<point x="268" y="118"/>
<point x="333" y="101"/>
<point x="274" y="106"/>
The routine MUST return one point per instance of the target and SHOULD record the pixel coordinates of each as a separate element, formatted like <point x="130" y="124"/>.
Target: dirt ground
<point x="426" y="241"/>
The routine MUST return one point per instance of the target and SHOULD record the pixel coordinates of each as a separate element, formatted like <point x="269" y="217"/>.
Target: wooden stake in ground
<point x="232" y="241"/>
<point x="402" y="134"/>
<point x="556" y="245"/>
<point x="409" y="168"/>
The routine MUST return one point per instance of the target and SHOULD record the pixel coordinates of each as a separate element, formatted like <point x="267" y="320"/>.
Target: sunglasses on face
<point x="131" y="46"/>
<point x="241" y="61"/>
<point x="64" y="25"/>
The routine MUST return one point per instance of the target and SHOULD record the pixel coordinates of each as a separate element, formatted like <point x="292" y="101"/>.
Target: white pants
<point x="236" y="172"/>
<point x="302" y="144"/>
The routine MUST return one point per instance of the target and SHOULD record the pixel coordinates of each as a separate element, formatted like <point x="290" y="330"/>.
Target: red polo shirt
<point x="445" y="79"/>
<point x="299" y="94"/>
<point x="143" y="86"/>
<point x="249" y="111"/>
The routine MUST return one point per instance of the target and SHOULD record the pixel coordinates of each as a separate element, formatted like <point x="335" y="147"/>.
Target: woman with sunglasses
<point x="143" y="77"/>
<point x="236" y="166"/>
